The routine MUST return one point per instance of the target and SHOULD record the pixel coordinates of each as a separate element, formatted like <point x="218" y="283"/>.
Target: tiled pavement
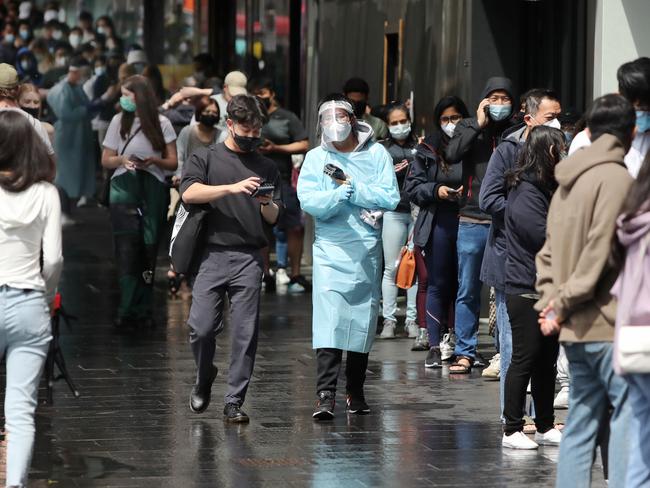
<point x="131" y="427"/>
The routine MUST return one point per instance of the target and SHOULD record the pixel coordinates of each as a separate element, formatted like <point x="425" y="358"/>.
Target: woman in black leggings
<point x="531" y="186"/>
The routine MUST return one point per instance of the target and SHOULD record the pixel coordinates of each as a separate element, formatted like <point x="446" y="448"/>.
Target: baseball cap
<point x="235" y="79"/>
<point x="237" y="90"/>
<point x="8" y="76"/>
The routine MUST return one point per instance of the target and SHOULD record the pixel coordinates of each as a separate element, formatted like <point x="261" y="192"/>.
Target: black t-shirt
<point x="283" y="127"/>
<point x="235" y="220"/>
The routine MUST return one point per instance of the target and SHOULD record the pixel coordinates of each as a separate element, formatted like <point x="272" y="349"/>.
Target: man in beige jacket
<point x="574" y="279"/>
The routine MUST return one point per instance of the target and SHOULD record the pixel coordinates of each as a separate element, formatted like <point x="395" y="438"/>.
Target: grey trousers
<point x="237" y="272"/>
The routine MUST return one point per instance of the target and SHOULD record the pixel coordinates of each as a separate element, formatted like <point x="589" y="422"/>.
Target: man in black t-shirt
<point x="226" y="176"/>
<point x="285" y="135"/>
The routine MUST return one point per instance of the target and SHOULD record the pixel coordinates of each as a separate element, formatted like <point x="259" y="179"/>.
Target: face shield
<point x="334" y="118"/>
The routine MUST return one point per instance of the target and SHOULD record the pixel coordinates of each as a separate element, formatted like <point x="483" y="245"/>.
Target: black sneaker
<point x="325" y="406"/>
<point x="233" y="413"/>
<point x="299" y="284"/>
<point x="480" y="361"/>
<point x="200" y="396"/>
<point x="434" y="358"/>
<point x="357" y="404"/>
<point x="269" y="283"/>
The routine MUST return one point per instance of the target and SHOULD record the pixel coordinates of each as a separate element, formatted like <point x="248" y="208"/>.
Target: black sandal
<point x="457" y="364"/>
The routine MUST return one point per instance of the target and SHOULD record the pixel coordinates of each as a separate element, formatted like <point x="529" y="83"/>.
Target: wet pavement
<point x="132" y="427"/>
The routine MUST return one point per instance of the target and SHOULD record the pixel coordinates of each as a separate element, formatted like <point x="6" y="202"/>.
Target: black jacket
<point x="425" y="176"/>
<point x="399" y="153"/>
<point x="525" y="221"/>
<point x="473" y="146"/>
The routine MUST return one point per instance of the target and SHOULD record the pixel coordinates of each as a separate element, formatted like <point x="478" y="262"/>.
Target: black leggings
<point x="329" y="364"/>
<point x="533" y="358"/>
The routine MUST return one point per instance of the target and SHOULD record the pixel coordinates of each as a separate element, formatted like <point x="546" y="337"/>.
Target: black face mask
<point x="359" y="109"/>
<point x="209" y="120"/>
<point x="34" y="112"/>
<point x="247" y="144"/>
<point x="266" y="102"/>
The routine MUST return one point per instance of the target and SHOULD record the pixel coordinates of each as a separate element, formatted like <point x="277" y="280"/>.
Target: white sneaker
<point x="389" y="330"/>
<point x="82" y="202"/>
<point x="550" y="438"/>
<point x="411" y="329"/>
<point x="493" y="371"/>
<point x="281" y="277"/>
<point x="447" y="346"/>
<point x="561" y="401"/>
<point x="518" y="440"/>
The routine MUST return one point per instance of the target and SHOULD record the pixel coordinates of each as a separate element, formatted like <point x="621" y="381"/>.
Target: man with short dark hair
<point x="574" y="279"/>
<point x="541" y="107"/>
<point x="357" y="91"/>
<point x="226" y="177"/>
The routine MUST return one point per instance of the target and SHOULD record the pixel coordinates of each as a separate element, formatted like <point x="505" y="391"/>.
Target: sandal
<point x="463" y="365"/>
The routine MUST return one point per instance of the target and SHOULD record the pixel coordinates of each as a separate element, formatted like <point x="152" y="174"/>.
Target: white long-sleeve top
<point x="30" y="221"/>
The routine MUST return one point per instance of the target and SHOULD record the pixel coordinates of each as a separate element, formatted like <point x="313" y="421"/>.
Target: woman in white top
<point x="30" y="226"/>
<point x="140" y="146"/>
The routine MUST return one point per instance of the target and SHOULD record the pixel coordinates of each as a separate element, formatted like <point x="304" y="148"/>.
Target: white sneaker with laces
<point x="518" y="440"/>
<point x="281" y="277"/>
<point x="447" y="346"/>
<point x="561" y="401"/>
<point x="493" y="371"/>
<point x="388" y="331"/>
<point x="549" y="438"/>
<point x="411" y="329"/>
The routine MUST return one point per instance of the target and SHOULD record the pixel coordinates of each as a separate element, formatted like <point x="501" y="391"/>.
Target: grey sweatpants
<point x="237" y="272"/>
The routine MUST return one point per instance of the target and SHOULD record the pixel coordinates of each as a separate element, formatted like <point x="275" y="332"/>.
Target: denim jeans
<point x="395" y="231"/>
<point x="470" y="247"/>
<point x="638" y="466"/>
<point x="24" y="338"/>
<point x="281" y="247"/>
<point x="593" y="387"/>
<point x="505" y="343"/>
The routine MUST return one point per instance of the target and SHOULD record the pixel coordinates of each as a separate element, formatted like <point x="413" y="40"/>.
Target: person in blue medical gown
<point x="345" y="184"/>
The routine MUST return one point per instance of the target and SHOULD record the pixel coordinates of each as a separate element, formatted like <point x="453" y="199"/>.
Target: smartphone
<point x="453" y="191"/>
<point x="137" y="160"/>
<point x="263" y="190"/>
<point x="334" y="172"/>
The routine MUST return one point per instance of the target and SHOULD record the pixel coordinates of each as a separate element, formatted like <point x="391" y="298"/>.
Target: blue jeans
<point x="638" y="466"/>
<point x="505" y="343"/>
<point x="470" y="247"/>
<point x="395" y="231"/>
<point x="594" y="386"/>
<point x="24" y="338"/>
<point x="281" y="247"/>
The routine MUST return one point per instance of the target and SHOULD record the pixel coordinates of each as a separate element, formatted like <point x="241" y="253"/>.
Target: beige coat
<point x="572" y="267"/>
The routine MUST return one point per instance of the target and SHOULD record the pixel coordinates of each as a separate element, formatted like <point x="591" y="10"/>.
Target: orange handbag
<point x="405" y="266"/>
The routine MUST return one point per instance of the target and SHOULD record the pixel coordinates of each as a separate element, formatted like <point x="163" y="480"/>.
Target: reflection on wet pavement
<point x="132" y="427"/>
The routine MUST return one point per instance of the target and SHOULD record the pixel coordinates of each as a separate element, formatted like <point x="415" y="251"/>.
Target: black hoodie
<point x="474" y="146"/>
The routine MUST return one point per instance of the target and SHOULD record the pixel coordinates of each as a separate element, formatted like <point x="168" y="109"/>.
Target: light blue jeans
<point x="638" y="466"/>
<point x="594" y="386"/>
<point x="24" y="338"/>
<point x="395" y="231"/>
<point x="505" y="343"/>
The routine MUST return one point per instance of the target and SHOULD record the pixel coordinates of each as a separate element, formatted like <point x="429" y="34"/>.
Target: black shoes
<point x="357" y="404"/>
<point x="232" y="412"/>
<point x="325" y="406"/>
<point x="200" y="396"/>
<point x="434" y="358"/>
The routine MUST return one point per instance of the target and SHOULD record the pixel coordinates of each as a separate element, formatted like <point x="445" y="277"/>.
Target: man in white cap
<point x="138" y="59"/>
<point x="234" y="84"/>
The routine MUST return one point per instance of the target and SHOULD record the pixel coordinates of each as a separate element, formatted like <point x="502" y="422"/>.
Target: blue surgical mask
<point x="500" y="112"/>
<point x="127" y="104"/>
<point x="10" y="38"/>
<point x="642" y="121"/>
<point x="24" y="34"/>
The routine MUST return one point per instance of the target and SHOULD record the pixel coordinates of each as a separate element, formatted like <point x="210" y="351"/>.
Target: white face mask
<point x="75" y="40"/>
<point x="449" y="129"/>
<point x="400" y="131"/>
<point x="336" y="132"/>
<point x="553" y="123"/>
<point x="57" y="35"/>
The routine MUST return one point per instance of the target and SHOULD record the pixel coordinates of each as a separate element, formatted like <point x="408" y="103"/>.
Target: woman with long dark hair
<point x="140" y="146"/>
<point x="531" y="186"/>
<point x="435" y="186"/>
<point x="30" y="234"/>
<point x="401" y="143"/>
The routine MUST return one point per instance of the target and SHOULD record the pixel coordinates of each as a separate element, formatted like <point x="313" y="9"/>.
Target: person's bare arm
<point x="199" y="193"/>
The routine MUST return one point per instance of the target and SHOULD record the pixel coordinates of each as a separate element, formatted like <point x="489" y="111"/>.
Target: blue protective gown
<point x="347" y="251"/>
<point x="73" y="140"/>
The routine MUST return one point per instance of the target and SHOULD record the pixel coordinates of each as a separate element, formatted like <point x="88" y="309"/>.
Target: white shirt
<point x="30" y="221"/>
<point x="634" y="157"/>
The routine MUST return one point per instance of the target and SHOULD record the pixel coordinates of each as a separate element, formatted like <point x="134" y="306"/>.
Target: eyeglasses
<point x="341" y="118"/>
<point x="499" y="98"/>
<point x="452" y="118"/>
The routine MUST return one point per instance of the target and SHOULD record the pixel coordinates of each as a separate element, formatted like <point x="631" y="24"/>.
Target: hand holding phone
<point x="482" y="113"/>
<point x="265" y="189"/>
<point x="335" y="173"/>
